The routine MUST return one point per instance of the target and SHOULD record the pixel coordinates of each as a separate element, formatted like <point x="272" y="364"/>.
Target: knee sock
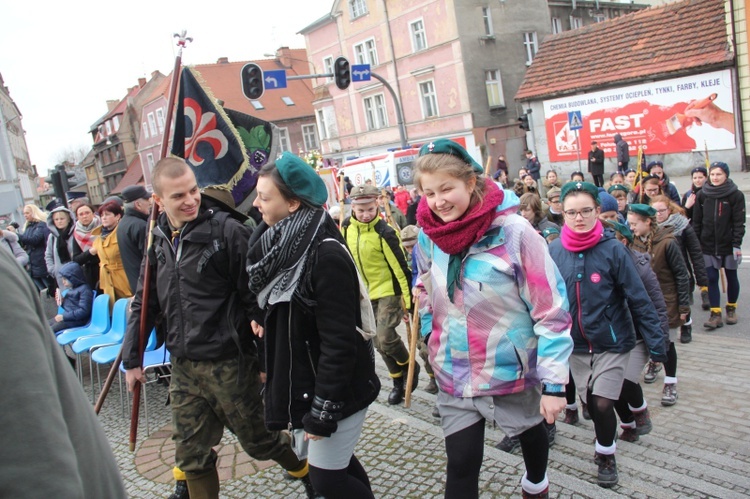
<point x="465" y="450"/>
<point x="670" y="366"/>
<point x="605" y="420"/>
<point x="535" y="448"/>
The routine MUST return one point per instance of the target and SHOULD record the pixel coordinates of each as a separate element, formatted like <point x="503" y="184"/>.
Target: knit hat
<point x="617" y="187"/>
<point x="607" y="202"/>
<point x="445" y="146"/>
<point x="554" y="192"/>
<point x="302" y="179"/>
<point x="364" y="193"/>
<point x="720" y="164"/>
<point x="586" y="187"/>
<point x="622" y="229"/>
<point x="699" y="169"/>
<point x="642" y="209"/>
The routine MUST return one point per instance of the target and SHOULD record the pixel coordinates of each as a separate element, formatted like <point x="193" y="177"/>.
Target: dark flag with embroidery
<point x="225" y="148"/>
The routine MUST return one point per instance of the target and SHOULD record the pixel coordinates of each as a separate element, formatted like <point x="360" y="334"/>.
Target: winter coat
<point x="202" y="299"/>
<point x="689" y="211"/>
<point x="9" y="241"/>
<point x="671" y="272"/>
<point x="79" y="300"/>
<point x="690" y="247"/>
<point x="534" y="167"/>
<point x="596" y="162"/>
<point x="318" y="351"/>
<point x="669" y="189"/>
<point x="34" y="241"/>
<point x="606" y="298"/>
<point x="546" y="185"/>
<point x="51" y="255"/>
<point x="380" y="258"/>
<point x="642" y="263"/>
<point x="507" y="328"/>
<point x="719" y="218"/>
<point x="623" y="156"/>
<point x="131" y="237"/>
<point x="112" y="278"/>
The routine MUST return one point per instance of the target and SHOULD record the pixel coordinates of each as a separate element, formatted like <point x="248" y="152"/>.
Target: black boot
<point x="397" y="394"/>
<point x="180" y="490"/>
<point x="686" y="333"/>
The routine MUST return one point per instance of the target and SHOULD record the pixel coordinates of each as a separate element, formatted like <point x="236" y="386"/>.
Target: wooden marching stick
<point x="723" y="280"/>
<point x="705" y="151"/>
<point x="412" y="355"/>
<point x="487" y="166"/>
<point x="388" y="213"/>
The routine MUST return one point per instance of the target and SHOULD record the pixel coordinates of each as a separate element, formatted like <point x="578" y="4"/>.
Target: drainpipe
<point x="402" y="130"/>
<point x="736" y="78"/>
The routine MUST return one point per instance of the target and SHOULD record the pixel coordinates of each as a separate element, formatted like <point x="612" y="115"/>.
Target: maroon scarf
<point x="457" y="236"/>
<point x="581" y="241"/>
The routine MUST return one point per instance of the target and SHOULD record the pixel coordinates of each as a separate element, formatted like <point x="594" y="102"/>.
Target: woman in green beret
<point x="320" y="368"/>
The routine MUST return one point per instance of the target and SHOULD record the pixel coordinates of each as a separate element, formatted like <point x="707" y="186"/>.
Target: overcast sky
<point x="63" y="60"/>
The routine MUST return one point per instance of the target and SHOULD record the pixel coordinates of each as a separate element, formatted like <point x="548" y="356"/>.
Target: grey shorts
<point x="514" y="413"/>
<point x="335" y="452"/>
<point x="638" y="359"/>
<point x="717" y="262"/>
<point x="673" y="333"/>
<point x="602" y="373"/>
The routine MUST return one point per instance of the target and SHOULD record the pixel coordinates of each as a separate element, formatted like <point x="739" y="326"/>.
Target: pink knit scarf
<point x="581" y="241"/>
<point x="458" y="235"/>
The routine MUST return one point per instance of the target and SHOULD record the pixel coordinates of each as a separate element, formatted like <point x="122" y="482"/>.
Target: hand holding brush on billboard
<point x="705" y="111"/>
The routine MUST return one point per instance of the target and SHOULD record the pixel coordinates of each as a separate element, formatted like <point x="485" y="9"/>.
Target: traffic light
<point x="342" y="74"/>
<point x="251" y="77"/>
<point x="524" y="122"/>
<point x="64" y="177"/>
<point x="55" y="179"/>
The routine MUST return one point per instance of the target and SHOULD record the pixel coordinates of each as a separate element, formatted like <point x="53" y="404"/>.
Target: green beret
<point x="622" y="229"/>
<point x="618" y="187"/>
<point x="578" y="186"/>
<point x="445" y="146"/>
<point x="302" y="179"/>
<point x="550" y="231"/>
<point x="642" y="209"/>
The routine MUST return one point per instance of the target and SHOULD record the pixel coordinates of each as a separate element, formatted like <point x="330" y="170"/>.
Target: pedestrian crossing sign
<point x="575" y="122"/>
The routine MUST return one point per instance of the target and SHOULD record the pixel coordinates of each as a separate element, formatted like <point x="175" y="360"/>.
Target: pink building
<point x="152" y="123"/>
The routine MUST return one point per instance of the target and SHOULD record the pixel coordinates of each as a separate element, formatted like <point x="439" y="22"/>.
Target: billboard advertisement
<point x="663" y="117"/>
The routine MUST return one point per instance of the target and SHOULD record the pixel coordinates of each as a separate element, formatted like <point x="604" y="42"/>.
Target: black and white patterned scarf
<point x="280" y="256"/>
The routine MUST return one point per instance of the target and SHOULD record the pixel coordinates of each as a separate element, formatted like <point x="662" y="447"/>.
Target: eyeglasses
<point x="573" y="214"/>
<point x="663" y="210"/>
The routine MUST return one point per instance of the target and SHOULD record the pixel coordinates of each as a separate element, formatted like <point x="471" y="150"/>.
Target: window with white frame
<point x="287" y="100"/>
<point x="487" y="21"/>
<point x="322" y="126"/>
<point x="108" y="127"/>
<point x="160" y="119"/>
<point x="150" y="161"/>
<point x="310" y="136"/>
<point x="257" y="105"/>
<point x="494" y="88"/>
<point x="328" y="67"/>
<point x="375" y="112"/>
<point x="145" y="130"/>
<point x="600" y="18"/>
<point x="372" y="52"/>
<point x="357" y="8"/>
<point x="428" y="99"/>
<point x="418" y="36"/>
<point x="575" y="22"/>
<point x="116" y="123"/>
<point x="152" y="124"/>
<point x="284" y="139"/>
<point x="530" y="44"/>
<point x="556" y="25"/>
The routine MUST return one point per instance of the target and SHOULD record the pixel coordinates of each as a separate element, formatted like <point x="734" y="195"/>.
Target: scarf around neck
<point x="719" y="191"/>
<point x="83" y="234"/>
<point x="581" y="241"/>
<point x="676" y="223"/>
<point x="62" y="243"/>
<point x="280" y="258"/>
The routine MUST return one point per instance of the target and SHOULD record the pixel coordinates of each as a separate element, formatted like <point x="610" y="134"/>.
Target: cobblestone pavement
<point x="698" y="448"/>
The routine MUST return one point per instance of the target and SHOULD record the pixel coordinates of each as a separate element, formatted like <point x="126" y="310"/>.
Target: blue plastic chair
<point x="100" y="322"/>
<point x="152" y="360"/>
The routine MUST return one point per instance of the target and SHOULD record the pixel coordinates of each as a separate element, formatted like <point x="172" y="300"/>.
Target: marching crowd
<point x="535" y="299"/>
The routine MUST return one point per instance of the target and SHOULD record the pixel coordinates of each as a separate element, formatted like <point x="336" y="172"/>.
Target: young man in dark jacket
<point x="199" y="294"/>
<point x="596" y="164"/>
<point x="131" y="231"/>
<point x="623" y="156"/>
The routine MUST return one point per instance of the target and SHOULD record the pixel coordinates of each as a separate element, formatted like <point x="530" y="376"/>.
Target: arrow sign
<point x="575" y="121"/>
<point x="274" y="79"/>
<point x="361" y="72"/>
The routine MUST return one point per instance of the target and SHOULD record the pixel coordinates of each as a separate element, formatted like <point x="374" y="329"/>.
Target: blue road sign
<point x="274" y="79"/>
<point x="361" y="72"/>
<point x="575" y="121"/>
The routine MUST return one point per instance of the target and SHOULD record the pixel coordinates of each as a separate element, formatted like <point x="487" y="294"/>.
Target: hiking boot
<point x="397" y="394"/>
<point x="705" y="303"/>
<point x="180" y="490"/>
<point x="542" y="495"/>
<point x="651" y="370"/>
<point x="509" y="444"/>
<point x="607" y="476"/>
<point x="629" y="434"/>
<point x="551" y="432"/>
<point x="686" y="333"/>
<point x="643" y="424"/>
<point x="669" y="395"/>
<point x="571" y="416"/>
<point x="731" y="314"/>
<point x="435" y="412"/>
<point x="431" y="386"/>
<point x="585" y="411"/>
<point x="714" y="322"/>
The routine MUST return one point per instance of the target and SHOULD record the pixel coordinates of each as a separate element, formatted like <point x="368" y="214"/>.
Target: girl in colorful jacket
<point x="497" y="315"/>
<point x="606" y="296"/>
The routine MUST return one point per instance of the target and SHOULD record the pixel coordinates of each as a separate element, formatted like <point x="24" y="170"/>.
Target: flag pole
<point x="342" y="198"/>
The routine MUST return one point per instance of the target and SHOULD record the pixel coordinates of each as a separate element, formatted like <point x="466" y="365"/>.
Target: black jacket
<point x="34" y="241"/>
<point x="131" y="237"/>
<point x="202" y="299"/>
<point x="596" y="162"/>
<point x="318" y="351"/>
<point x="623" y="155"/>
<point x="719" y="218"/>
